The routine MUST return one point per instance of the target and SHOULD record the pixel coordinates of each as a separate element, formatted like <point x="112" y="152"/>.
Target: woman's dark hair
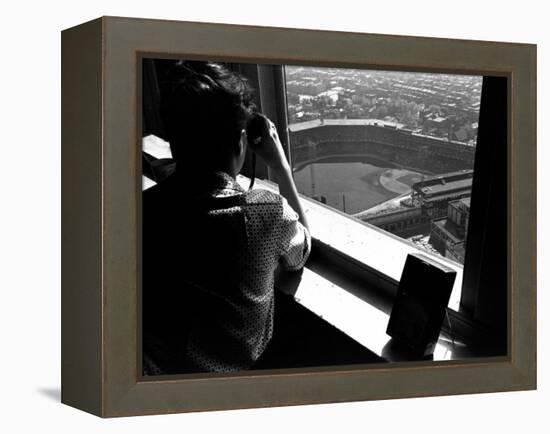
<point x="204" y="109"/>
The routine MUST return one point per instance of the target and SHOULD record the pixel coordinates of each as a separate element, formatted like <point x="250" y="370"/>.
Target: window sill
<point x="362" y="320"/>
<point x="353" y="310"/>
<point x="377" y="251"/>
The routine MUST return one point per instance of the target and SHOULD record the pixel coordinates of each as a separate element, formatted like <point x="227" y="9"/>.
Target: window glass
<point x="393" y="149"/>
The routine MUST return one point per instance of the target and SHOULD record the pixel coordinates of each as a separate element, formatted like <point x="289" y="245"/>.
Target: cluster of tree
<point x="458" y="126"/>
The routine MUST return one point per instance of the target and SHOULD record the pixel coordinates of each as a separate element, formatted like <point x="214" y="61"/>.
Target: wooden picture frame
<point x="101" y="222"/>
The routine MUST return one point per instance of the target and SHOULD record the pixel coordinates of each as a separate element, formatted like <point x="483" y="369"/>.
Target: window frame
<point x="467" y="320"/>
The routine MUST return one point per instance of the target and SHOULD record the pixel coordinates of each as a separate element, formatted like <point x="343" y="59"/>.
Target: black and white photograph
<point x="298" y="216"/>
<point x="292" y="217"/>
<point x="257" y="216"/>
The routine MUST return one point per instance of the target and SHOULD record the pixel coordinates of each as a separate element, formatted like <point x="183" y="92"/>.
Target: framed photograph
<point x="259" y="216"/>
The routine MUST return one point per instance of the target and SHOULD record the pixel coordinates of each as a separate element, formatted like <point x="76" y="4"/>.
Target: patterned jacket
<point x="208" y="272"/>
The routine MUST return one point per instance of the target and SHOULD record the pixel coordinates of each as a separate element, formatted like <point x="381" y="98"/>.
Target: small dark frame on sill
<point x="101" y="176"/>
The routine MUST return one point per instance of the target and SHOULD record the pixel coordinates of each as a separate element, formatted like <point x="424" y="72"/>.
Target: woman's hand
<point x="270" y="148"/>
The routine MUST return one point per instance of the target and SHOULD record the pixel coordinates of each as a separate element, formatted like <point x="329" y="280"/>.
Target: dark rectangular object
<point x="419" y="307"/>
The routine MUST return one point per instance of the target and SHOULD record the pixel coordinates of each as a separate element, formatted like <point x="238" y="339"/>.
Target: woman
<point x="210" y="248"/>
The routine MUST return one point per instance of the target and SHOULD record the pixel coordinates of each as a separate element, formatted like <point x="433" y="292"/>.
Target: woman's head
<point x="205" y="110"/>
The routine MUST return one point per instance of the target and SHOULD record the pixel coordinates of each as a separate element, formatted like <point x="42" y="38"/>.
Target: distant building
<point x="434" y="193"/>
<point x="436" y="199"/>
<point x="448" y="234"/>
<point x="438" y="122"/>
<point x="402" y="220"/>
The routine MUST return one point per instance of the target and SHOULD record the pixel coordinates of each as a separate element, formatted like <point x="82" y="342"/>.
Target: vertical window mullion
<point x="272" y="94"/>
